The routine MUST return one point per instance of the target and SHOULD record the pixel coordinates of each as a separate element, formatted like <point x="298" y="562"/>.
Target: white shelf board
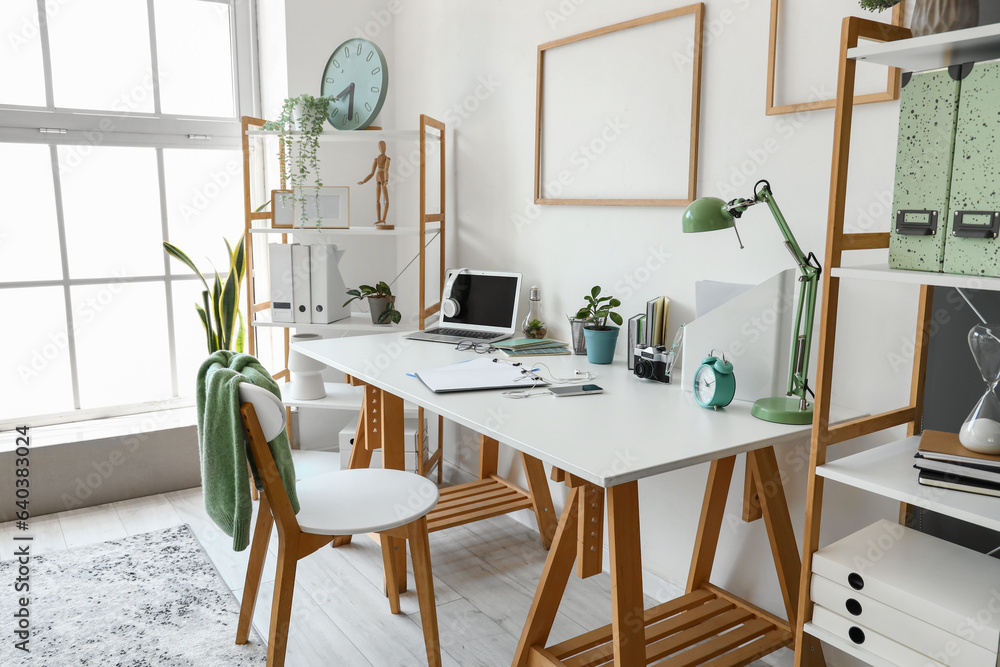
<point x="847" y="647"/>
<point x="356" y="322"/>
<point x="888" y="471"/>
<point x="339" y="396"/>
<point x="933" y="51"/>
<point x="352" y="231"/>
<point x="884" y="273"/>
<point x="354" y="135"/>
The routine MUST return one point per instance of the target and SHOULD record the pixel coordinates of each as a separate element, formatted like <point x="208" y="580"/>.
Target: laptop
<point x="487" y="308"/>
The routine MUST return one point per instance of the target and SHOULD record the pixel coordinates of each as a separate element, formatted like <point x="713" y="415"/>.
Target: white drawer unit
<point x="410" y="446"/>
<point x="870" y="614"/>
<point x="946" y="586"/>
<point x="869" y="640"/>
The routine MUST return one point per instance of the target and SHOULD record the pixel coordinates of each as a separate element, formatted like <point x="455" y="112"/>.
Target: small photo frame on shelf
<point x="281" y="209"/>
<point x="327" y="207"/>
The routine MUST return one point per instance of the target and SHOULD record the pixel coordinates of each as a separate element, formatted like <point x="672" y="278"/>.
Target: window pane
<point x="29" y="236"/>
<point x="121" y="343"/>
<point x="22" y="79"/>
<point x="194" y="57"/>
<point x="111" y="208"/>
<point x="100" y="55"/>
<point x="35" y="362"/>
<point x="204" y="190"/>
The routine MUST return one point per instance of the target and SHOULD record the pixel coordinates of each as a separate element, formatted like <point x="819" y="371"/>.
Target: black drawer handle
<point x="853" y="607"/>
<point x="856" y="581"/>
<point x="917" y="222"/>
<point x="982" y="224"/>
<point x="856" y="634"/>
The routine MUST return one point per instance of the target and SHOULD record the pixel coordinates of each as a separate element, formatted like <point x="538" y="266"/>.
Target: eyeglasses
<point x="479" y="348"/>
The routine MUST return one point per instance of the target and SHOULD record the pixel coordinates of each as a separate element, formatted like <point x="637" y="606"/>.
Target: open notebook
<point x="483" y="373"/>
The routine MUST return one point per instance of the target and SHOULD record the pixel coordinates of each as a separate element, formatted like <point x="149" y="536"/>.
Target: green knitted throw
<point x="224" y="477"/>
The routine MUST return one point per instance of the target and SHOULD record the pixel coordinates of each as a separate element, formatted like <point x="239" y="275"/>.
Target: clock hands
<point x="350" y="100"/>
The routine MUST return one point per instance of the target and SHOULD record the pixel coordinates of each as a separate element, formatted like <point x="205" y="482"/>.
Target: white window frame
<point x="85" y="127"/>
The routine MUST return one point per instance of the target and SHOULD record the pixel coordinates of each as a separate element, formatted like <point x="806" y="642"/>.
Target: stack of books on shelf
<point x="943" y="462"/>
<point x="532" y="347"/>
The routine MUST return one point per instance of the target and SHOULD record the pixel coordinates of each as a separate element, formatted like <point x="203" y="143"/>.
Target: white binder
<point x="328" y="289"/>
<point x="279" y="257"/>
<point x="301" y="291"/>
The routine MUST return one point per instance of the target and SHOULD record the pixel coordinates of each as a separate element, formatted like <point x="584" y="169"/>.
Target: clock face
<point x="704" y="385"/>
<point x="358" y="76"/>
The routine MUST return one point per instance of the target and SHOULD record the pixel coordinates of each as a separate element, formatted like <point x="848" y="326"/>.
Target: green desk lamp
<point x="709" y="214"/>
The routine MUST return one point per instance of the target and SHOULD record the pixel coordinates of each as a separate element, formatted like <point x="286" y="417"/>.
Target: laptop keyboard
<point x="461" y="333"/>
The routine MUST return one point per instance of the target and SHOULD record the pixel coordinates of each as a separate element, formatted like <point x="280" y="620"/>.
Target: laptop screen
<point x="484" y="300"/>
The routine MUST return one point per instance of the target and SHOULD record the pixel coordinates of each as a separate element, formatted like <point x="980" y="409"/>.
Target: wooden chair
<point x="392" y="503"/>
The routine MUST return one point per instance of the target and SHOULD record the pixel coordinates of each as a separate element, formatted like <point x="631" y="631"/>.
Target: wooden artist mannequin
<point x="380" y="170"/>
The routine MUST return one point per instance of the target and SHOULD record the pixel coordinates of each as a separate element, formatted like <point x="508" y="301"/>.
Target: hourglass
<point x="981" y="430"/>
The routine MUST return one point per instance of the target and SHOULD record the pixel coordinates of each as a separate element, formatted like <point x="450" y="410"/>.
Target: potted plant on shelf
<point x="299" y="126"/>
<point x="381" y="302"/>
<point x="219" y="309"/>
<point x="600" y="337"/>
<point x="933" y="16"/>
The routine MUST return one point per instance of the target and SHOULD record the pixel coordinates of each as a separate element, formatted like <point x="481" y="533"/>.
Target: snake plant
<point x="220" y="307"/>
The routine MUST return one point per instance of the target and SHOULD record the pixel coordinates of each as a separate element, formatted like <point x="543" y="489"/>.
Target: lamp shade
<point x="707" y="214"/>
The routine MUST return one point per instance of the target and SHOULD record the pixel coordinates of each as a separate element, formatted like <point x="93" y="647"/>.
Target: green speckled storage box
<point x="974" y="219"/>
<point x="928" y="111"/>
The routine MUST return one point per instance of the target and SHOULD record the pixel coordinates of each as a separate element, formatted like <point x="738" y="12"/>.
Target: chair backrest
<point x="269" y="409"/>
<point x="264" y="418"/>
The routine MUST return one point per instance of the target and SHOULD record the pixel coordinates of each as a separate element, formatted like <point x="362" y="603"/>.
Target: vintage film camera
<point x="653" y="363"/>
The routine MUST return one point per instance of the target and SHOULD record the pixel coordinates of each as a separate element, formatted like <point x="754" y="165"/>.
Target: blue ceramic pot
<point x="600" y="344"/>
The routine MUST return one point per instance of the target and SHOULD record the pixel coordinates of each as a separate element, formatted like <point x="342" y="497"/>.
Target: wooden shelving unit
<point x="886" y="470"/>
<point x="431" y="227"/>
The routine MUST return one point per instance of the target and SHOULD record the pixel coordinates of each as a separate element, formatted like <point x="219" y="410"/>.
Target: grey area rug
<point x="152" y="599"/>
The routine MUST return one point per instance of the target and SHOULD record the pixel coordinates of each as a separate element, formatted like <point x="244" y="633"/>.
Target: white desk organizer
<point x="908" y="597"/>
<point x="754" y="329"/>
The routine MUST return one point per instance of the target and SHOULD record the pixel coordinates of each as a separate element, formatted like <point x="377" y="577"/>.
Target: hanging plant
<point x="299" y="126"/>
<point x="878" y="5"/>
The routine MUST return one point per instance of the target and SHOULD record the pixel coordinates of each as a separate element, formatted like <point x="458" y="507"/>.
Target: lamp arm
<point x="766" y="196"/>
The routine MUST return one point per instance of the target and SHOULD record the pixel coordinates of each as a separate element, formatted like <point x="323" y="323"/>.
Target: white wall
<point x="472" y="64"/>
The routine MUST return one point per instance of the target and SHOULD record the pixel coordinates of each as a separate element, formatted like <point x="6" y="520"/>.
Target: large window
<point x="119" y="128"/>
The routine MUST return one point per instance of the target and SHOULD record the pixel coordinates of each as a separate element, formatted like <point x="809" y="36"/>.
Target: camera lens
<point x="643" y="368"/>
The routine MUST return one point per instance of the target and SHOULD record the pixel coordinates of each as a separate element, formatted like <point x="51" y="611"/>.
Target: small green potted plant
<point x="299" y="125"/>
<point x="601" y="338"/>
<point x="381" y="302"/>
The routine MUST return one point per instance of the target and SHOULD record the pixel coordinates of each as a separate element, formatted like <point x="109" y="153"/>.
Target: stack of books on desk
<point x="532" y="347"/>
<point x="943" y="462"/>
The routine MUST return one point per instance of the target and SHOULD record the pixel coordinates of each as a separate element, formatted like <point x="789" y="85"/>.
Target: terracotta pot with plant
<point x="933" y="16"/>
<point x="381" y="302"/>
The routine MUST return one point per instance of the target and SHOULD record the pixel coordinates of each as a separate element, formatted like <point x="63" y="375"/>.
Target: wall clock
<point x="358" y="76"/>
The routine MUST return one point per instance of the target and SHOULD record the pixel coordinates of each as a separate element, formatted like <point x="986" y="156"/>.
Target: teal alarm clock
<point x="358" y="76"/>
<point x="714" y="382"/>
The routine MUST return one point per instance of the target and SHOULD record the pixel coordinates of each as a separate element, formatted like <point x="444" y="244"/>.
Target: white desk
<point x="607" y="442"/>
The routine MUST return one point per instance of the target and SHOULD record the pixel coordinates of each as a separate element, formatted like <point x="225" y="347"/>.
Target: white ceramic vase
<point x="933" y="16"/>
<point x="306" y="372"/>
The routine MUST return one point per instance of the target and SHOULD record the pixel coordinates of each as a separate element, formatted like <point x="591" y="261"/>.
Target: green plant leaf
<point x="616" y="318"/>
<point x="241" y="333"/>
<point x="383" y="289"/>
<point x="595" y="291"/>
<point x="583" y="313"/>
<point x="367" y="289"/>
<point x="614" y="303"/>
<point x="396" y="316"/>
<point x="179" y="254"/>
<point x="354" y="292"/>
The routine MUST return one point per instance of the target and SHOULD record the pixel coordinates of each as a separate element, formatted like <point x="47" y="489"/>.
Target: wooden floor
<point x="485" y="576"/>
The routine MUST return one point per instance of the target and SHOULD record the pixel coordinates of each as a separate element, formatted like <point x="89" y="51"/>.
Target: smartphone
<point x="576" y="390"/>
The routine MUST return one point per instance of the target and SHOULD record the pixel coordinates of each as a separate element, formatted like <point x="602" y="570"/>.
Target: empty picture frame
<point x="617" y="113"/>
<point x="892" y="84"/>
<point x="327" y="207"/>
<point x="281" y="209"/>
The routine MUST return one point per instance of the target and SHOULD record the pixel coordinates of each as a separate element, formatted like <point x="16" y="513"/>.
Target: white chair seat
<point x="309" y="463"/>
<point x="367" y="500"/>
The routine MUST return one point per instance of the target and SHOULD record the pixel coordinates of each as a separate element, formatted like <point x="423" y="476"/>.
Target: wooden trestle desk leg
<point x="538" y="487"/>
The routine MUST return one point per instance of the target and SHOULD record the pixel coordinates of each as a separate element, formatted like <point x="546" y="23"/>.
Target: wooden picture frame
<point x="281" y="209"/>
<point x="698" y="10"/>
<point x="327" y="207"/>
<point x="892" y="83"/>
